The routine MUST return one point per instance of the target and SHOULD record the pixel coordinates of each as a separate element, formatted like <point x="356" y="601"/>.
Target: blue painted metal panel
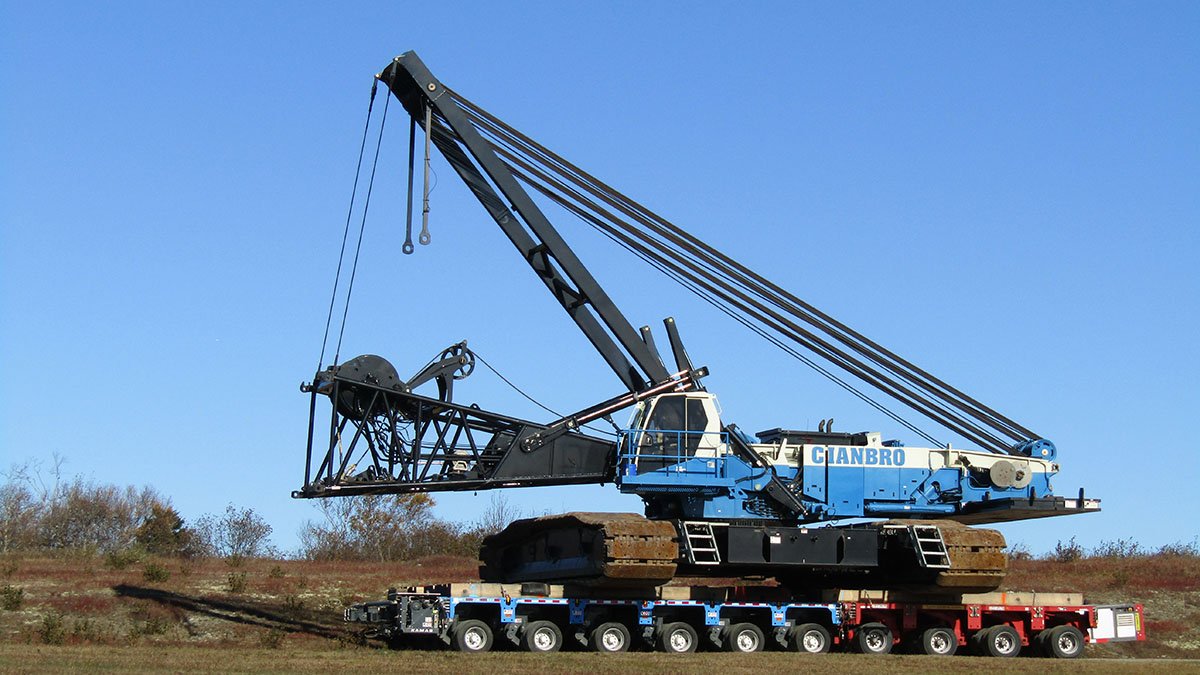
<point x="837" y="481"/>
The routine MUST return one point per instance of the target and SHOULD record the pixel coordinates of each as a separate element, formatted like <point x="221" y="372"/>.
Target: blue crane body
<point x="834" y="476"/>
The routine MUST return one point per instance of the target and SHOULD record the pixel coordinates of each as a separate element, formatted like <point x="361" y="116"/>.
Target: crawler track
<point x="977" y="558"/>
<point x="615" y="550"/>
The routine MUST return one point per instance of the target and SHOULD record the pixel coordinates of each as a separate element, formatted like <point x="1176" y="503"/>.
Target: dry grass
<point x="259" y="660"/>
<point x="1175" y="574"/>
<point x="288" y="616"/>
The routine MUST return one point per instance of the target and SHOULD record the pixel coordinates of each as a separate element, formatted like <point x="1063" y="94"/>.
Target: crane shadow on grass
<point x="245" y="612"/>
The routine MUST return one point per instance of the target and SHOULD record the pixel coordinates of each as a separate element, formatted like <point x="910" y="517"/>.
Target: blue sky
<point x="1004" y="193"/>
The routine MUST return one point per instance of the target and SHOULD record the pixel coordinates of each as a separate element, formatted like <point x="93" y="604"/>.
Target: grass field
<point x="96" y="613"/>
<point x="35" y="658"/>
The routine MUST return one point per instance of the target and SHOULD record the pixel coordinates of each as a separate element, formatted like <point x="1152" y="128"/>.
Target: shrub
<point x="1181" y="549"/>
<point x="163" y="533"/>
<point x="272" y="639"/>
<point x="1065" y="552"/>
<point x="234" y="534"/>
<point x="151" y="625"/>
<point x="382" y="528"/>
<point x="42" y="510"/>
<point x="19" y="516"/>
<point x="276" y="572"/>
<point x="86" y="515"/>
<point x="123" y="558"/>
<point x="293" y="604"/>
<point x="119" y="560"/>
<point x="86" y="630"/>
<point x="1120" y="579"/>
<point x="1120" y="548"/>
<point x="155" y="573"/>
<point x="51" y="630"/>
<point x="11" y="597"/>
<point x="236" y="582"/>
<point x="1019" y="551"/>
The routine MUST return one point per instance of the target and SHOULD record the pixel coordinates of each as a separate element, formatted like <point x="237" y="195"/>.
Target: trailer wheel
<point x="472" y="635"/>
<point x="1063" y="642"/>
<point x="810" y="638"/>
<point x="610" y="638"/>
<point x="744" y="638"/>
<point x="1001" y="641"/>
<point x="873" y="638"/>
<point x="678" y="638"/>
<point x="939" y="641"/>
<point x="541" y="636"/>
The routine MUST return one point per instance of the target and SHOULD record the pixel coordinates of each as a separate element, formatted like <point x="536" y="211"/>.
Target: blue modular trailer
<point x="477" y="617"/>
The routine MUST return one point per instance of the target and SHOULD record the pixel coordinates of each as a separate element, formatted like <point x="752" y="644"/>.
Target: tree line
<point x="43" y="511"/>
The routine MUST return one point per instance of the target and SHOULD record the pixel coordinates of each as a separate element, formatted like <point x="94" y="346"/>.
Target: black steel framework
<point x="383" y="438"/>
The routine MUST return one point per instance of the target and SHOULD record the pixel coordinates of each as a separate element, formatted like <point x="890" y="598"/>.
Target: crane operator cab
<point x="672" y="430"/>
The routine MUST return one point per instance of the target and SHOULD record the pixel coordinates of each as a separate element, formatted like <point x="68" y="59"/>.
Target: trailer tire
<point x="1063" y="642"/>
<point x="810" y="638"/>
<point x="611" y="637"/>
<point x="1002" y="641"/>
<point x="975" y="641"/>
<point x="678" y="638"/>
<point x="472" y="636"/>
<point x="1039" y="642"/>
<point x="744" y="638"/>
<point x="873" y="638"/>
<point x="938" y="641"/>
<point x="541" y="637"/>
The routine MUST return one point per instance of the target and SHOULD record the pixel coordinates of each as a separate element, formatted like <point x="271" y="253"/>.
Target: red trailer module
<point x="993" y="624"/>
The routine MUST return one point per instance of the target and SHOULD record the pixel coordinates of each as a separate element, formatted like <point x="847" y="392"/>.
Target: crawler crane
<point x="718" y="501"/>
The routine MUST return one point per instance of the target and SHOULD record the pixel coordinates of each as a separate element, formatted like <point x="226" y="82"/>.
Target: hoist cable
<point x="361" y="228"/>
<point x="346" y="232"/>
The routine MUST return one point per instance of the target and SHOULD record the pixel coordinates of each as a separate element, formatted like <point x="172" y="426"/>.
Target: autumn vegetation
<point x="100" y="567"/>
<point x="41" y="511"/>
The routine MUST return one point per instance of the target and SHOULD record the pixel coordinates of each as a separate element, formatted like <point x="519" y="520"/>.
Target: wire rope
<point x="346" y="232"/>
